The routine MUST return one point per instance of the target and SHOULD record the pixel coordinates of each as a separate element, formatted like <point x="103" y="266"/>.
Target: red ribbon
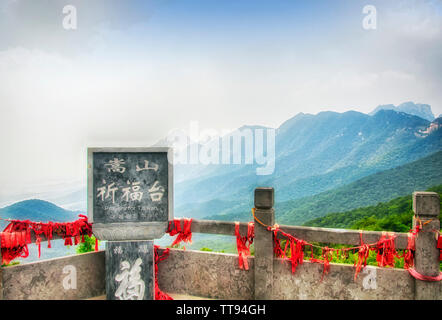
<point x="184" y="235"/>
<point x="17" y="235"/>
<point x="386" y="251"/>
<point x="409" y="252"/>
<point x="295" y="246"/>
<point x="439" y="246"/>
<point x="363" y="252"/>
<point x="243" y="244"/>
<point x="160" y="295"/>
<point x="327" y="256"/>
<point x="419" y="276"/>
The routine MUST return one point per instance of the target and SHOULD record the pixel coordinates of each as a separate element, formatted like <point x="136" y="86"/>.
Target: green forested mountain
<point x="318" y="157"/>
<point x="36" y="210"/>
<point x="379" y="187"/>
<point x="313" y="154"/>
<point x="394" y="215"/>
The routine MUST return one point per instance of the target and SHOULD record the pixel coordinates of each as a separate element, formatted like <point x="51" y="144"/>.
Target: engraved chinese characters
<point x="129" y="270"/>
<point x="131" y="286"/>
<point x="130" y="187"/>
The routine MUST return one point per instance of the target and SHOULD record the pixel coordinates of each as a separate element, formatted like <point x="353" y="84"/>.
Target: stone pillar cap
<point x="426" y="203"/>
<point x="264" y="198"/>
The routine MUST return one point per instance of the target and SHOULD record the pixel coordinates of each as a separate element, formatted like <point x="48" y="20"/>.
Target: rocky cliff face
<point x="418" y="109"/>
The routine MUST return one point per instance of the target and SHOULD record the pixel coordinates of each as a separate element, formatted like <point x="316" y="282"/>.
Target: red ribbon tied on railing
<point x="409" y="252"/>
<point x="243" y="244"/>
<point x="386" y="250"/>
<point x="327" y="256"/>
<point x="160" y="295"/>
<point x="184" y="234"/>
<point x="439" y="246"/>
<point x="17" y="235"/>
<point x="363" y="252"/>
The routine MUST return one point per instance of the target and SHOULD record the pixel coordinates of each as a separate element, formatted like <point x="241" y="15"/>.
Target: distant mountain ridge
<point x="417" y="109"/>
<point x="36" y="210"/>
<point x="316" y="153"/>
<point x="378" y="187"/>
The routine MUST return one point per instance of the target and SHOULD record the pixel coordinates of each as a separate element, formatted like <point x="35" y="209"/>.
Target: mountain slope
<point x="378" y="187"/>
<point x="394" y="215"/>
<point x="316" y="153"/>
<point x="382" y="186"/>
<point x="36" y="210"/>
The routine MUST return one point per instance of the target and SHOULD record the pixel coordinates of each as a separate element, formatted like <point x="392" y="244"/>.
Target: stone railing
<point x="217" y="275"/>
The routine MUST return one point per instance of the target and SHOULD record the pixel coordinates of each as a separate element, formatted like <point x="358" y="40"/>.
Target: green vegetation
<point x="350" y="258"/>
<point x="12" y="263"/>
<point x="314" y="153"/>
<point x="210" y="250"/>
<point x="36" y="210"/>
<point x="395" y="215"/>
<point x="87" y="246"/>
<point x="379" y="187"/>
<point x="368" y="191"/>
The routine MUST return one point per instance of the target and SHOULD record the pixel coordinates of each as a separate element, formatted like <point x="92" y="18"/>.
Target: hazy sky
<point x="134" y="70"/>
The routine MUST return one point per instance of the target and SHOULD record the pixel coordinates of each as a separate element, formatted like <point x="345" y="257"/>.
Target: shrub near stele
<point x="87" y="246"/>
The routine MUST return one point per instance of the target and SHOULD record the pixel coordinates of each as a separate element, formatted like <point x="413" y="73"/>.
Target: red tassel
<point x="386" y="251"/>
<point x="176" y="229"/>
<point x="183" y="235"/>
<point x="14" y="242"/>
<point x="68" y="241"/>
<point x="96" y="244"/>
<point x="28" y="236"/>
<point x="22" y="238"/>
<point x="48" y="233"/>
<point x="187" y="234"/>
<point x="327" y="256"/>
<point x="277" y="245"/>
<point x="2" y="240"/>
<point x="296" y="252"/>
<point x="243" y="244"/>
<point x="76" y="239"/>
<point x="250" y="232"/>
<point x="296" y="248"/>
<point x="7" y="238"/>
<point x="39" y="248"/>
<point x="439" y="242"/>
<point x="439" y="246"/>
<point x="409" y="252"/>
<point x="160" y="295"/>
<point x="363" y="252"/>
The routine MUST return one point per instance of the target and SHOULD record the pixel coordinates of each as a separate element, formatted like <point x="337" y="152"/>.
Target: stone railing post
<point x="264" y="212"/>
<point x="426" y="207"/>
